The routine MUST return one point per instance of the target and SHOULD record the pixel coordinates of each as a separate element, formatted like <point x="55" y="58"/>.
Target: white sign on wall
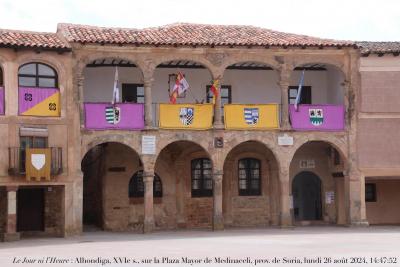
<point x="285" y="140"/>
<point x="307" y="164"/>
<point x="148" y="145"/>
<point x="329" y="197"/>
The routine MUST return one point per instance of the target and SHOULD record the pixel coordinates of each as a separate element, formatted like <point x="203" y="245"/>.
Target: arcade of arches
<point x="121" y="194"/>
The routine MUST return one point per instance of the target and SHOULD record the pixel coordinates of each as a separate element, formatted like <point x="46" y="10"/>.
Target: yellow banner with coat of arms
<point x="245" y="117"/>
<point x="186" y="116"/>
<point x="38" y="164"/>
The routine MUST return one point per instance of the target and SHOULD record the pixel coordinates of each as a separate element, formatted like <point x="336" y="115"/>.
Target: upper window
<point x="249" y="177"/>
<point x="226" y="95"/>
<point x="30" y="142"/>
<point x="370" y="192"/>
<point x="37" y="75"/>
<point x="305" y="97"/>
<point x="202" y="184"/>
<point x="133" y="93"/>
<point x="136" y="185"/>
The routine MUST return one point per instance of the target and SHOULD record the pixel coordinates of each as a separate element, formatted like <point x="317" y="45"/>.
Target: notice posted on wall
<point x="329" y="197"/>
<point x="148" y="145"/>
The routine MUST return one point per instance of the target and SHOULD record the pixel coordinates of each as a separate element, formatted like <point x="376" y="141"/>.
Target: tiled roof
<point x="379" y="47"/>
<point x="14" y="38"/>
<point x="193" y="34"/>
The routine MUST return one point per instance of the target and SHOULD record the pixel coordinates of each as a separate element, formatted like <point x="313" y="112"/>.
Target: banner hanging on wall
<point x="317" y="117"/>
<point x="186" y="116"/>
<point x="123" y="116"/>
<point x="38" y="164"/>
<point x="35" y="101"/>
<point x="245" y="117"/>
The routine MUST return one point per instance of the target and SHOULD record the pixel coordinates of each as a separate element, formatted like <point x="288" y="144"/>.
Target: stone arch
<point x="107" y="138"/>
<point x="84" y="60"/>
<point x="187" y="57"/>
<point x="107" y="168"/>
<point x="251" y="58"/>
<point x="182" y="205"/>
<point x="337" y="64"/>
<point x="266" y="140"/>
<point x="162" y="144"/>
<point x="340" y="144"/>
<point x="240" y="199"/>
<point x="316" y="155"/>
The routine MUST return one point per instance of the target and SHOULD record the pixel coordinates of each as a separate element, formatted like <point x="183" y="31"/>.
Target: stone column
<point x="285" y="199"/>
<point x="355" y="199"/>
<point x="79" y="99"/>
<point x="217" y="107"/>
<point x="148" y="224"/>
<point x="218" y="218"/>
<point x="148" y="109"/>
<point x="284" y="83"/>
<point x="11" y="233"/>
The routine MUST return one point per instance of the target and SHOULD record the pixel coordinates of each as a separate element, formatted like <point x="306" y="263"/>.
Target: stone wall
<point x="53" y="210"/>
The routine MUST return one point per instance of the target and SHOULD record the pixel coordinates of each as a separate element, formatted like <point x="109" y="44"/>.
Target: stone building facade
<point x="215" y="177"/>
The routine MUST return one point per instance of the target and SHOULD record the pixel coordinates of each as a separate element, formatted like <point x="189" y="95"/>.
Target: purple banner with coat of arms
<point x="104" y="116"/>
<point x="2" y="103"/>
<point x="317" y="117"/>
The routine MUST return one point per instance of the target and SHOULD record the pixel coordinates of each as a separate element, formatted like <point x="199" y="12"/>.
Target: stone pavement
<point x="301" y="246"/>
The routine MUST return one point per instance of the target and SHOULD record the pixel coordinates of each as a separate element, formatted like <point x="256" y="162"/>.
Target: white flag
<point x="298" y="97"/>
<point x="115" y="98"/>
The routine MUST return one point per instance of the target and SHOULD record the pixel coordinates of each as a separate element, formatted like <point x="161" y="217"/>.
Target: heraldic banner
<point x="2" y="103"/>
<point x="245" y="117"/>
<point x="186" y="116"/>
<point x="317" y="117"/>
<point x="123" y="116"/>
<point x="38" y="164"/>
<point x="39" y="102"/>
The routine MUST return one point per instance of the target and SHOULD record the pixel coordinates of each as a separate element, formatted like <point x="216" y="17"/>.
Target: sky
<point x="369" y="20"/>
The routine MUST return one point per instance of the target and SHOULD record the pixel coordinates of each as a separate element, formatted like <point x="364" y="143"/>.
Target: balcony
<point x="317" y="117"/>
<point x="17" y="156"/>
<point x="122" y="116"/>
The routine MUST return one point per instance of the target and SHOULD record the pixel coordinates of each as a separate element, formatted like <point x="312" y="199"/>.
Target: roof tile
<point x="31" y="39"/>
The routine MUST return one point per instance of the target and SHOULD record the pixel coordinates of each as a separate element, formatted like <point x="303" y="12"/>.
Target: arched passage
<point x="251" y="186"/>
<point x="318" y="164"/>
<point x="306" y="192"/>
<point x="187" y="202"/>
<point x="107" y="169"/>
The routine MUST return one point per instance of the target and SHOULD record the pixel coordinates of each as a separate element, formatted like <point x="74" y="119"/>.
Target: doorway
<point x="306" y="191"/>
<point x="30" y="209"/>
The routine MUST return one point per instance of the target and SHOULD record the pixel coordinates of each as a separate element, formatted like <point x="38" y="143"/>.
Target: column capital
<point x="217" y="176"/>
<point x="11" y="188"/>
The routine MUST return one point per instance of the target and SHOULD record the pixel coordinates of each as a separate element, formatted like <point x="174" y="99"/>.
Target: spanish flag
<point x="215" y="89"/>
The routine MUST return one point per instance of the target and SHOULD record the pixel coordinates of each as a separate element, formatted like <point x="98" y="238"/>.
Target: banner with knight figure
<point x="245" y="117"/>
<point x="186" y="116"/>
<point x="35" y="101"/>
<point x="317" y="117"/>
<point x="2" y="103"/>
<point x="122" y="116"/>
<point x="38" y="164"/>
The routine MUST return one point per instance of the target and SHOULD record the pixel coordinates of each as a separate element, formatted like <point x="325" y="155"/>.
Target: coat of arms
<point x="113" y="114"/>
<point x="251" y="115"/>
<point x="38" y="161"/>
<point x="316" y="116"/>
<point x="186" y="116"/>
